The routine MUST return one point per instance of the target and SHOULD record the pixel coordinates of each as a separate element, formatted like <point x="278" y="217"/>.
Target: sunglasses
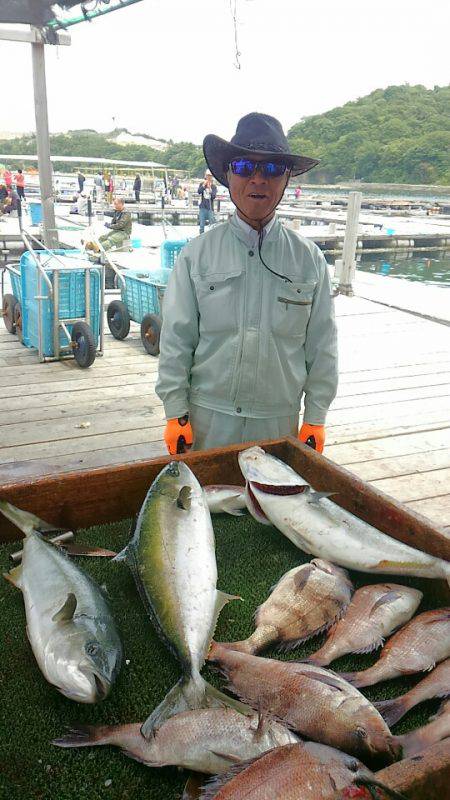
<point x="246" y="167"/>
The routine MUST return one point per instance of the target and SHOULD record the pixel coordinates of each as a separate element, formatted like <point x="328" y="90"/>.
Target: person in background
<point x="109" y="188"/>
<point x="137" y="187"/>
<point x="119" y="229"/>
<point x="19" y="178"/>
<point x="248" y="327"/>
<point x="99" y="186"/>
<point x="82" y="204"/>
<point x="12" y="203"/>
<point x="186" y="196"/>
<point x="7" y="177"/>
<point x="208" y="190"/>
<point x="81" y="180"/>
<point x="297" y="192"/>
<point x="174" y="186"/>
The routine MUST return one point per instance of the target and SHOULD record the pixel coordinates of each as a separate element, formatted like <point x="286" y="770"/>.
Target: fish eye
<point x="361" y="732"/>
<point x="92" y="648"/>
<point x="352" y="765"/>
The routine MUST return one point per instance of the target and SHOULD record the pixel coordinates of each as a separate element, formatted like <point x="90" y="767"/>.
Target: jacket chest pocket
<point x="219" y="300"/>
<point x="291" y="308"/>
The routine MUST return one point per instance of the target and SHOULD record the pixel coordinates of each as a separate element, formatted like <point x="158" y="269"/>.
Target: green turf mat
<point x="251" y="558"/>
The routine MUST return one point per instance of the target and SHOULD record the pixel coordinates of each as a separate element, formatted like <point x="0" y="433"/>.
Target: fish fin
<point x="79" y="736"/>
<point x="330" y="679"/>
<point x="137" y="758"/>
<point x="184" y="498"/>
<point x="254" y="507"/>
<point x="285" y="647"/>
<point x="187" y="695"/>
<point x="86" y="550"/>
<point x="14" y="576"/>
<point x="232" y="757"/>
<point x="385" y="598"/>
<point x="222" y="598"/>
<point x="369" y="648"/>
<point x="391" y="710"/>
<point x="444" y="617"/>
<point x="67" y="611"/>
<point x="214" y="785"/>
<point x="24" y="520"/>
<point x="302" y="576"/>
<point x="316" y="497"/>
<point x="193" y="787"/>
<point x="123" y="555"/>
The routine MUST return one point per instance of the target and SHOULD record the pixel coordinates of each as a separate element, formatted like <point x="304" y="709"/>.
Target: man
<point x="248" y="315"/>
<point x="19" y="178"/>
<point x="81" y="180"/>
<point x="137" y="187"/>
<point x="99" y="187"/>
<point x="120" y="228"/>
<point x="208" y="191"/>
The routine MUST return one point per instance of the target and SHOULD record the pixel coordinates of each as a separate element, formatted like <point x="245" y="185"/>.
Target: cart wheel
<point x="8" y="306"/>
<point x="84" y="349"/>
<point x="118" y="319"/>
<point x="17" y="317"/>
<point x="150" y="333"/>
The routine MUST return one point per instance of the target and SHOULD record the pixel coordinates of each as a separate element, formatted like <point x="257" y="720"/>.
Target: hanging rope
<point x="233" y="12"/>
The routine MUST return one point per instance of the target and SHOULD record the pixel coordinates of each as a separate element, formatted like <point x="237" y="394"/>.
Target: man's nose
<point x="258" y="177"/>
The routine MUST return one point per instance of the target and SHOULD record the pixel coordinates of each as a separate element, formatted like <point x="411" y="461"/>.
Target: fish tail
<point x="392" y="710"/>
<point x="244" y="646"/>
<point x="366" y="677"/>
<point x="14" y="576"/>
<point x="85" y="736"/>
<point x="26" y="522"/>
<point x="188" y="694"/>
<point x="373" y="783"/>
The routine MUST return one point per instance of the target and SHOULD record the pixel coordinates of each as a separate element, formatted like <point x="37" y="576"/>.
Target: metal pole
<point x="346" y="267"/>
<point x="43" y="145"/>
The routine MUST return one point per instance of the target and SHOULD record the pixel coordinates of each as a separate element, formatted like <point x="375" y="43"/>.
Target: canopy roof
<point x="86" y="160"/>
<point x="31" y="12"/>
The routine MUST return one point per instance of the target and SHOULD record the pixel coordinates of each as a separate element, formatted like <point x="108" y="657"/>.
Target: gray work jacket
<point x="239" y="340"/>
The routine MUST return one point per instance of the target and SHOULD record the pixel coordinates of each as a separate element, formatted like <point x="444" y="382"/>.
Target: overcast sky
<point x="167" y="67"/>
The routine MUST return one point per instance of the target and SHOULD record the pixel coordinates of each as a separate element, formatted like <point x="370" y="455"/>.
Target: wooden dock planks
<point x="390" y="423"/>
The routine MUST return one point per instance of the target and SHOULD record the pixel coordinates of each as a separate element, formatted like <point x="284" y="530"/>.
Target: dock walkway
<point x="390" y="423"/>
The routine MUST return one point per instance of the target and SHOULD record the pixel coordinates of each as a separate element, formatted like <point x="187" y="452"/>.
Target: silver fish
<point x="172" y="558"/>
<point x="304" y="602"/>
<point x="317" y="525"/>
<point x="373" y="614"/>
<point x="70" y="627"/>
<point x="205" y="739"/>
<point x="222" y="498"/>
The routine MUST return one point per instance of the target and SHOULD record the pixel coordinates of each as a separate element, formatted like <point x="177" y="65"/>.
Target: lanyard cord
<point x="261" y="233"/>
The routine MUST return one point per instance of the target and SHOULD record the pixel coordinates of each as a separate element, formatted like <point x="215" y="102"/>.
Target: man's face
<point x="256" y="197"/>
<point x="118" y="204"/>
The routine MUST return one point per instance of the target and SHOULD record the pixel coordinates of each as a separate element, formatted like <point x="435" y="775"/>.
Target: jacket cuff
<point x="176" y="409"/>
<point x="313" y="415"/>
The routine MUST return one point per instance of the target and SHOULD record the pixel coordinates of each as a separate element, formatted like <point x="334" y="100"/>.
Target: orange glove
<point x="178" y="435"/>
<point x="314" y="435"/>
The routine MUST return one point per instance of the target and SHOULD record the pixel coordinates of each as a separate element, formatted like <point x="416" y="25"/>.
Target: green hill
<point x="396" y="135"/>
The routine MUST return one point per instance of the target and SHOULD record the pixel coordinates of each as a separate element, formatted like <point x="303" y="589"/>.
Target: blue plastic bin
<point x="170" y="251"/>
<point x="16" y="286"/>
<point x="35" y="213"/>
<point x="71" y="296"/>
<point x="140" y="293"/>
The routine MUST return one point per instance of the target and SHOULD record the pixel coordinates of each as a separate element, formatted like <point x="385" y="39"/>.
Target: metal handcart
<point x="142" y="293"/>
<point x="56" y="305"/>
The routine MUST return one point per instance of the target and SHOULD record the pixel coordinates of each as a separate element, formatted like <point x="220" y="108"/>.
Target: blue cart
<point x="142" y="293"/>
<point x="56" y="305"/>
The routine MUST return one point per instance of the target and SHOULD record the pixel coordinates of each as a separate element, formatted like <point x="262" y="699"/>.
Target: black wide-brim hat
<point x="256" y="135"/>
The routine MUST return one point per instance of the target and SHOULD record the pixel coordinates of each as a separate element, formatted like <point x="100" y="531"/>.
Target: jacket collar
<point x="239" y="231"/>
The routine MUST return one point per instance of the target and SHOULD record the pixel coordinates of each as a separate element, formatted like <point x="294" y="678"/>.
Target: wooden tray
<point x="82" y="499"/>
